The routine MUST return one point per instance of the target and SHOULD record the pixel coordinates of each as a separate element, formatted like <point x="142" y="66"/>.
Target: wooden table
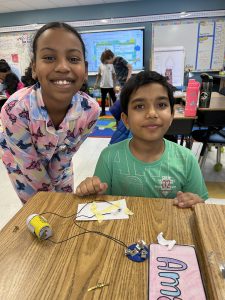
<point x="33" y="269"/>
<point x="210" y="220"/>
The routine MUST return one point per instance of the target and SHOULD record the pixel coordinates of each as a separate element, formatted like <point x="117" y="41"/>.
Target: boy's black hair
<point x="55" y="25"/>
<point x="140" y="79"/>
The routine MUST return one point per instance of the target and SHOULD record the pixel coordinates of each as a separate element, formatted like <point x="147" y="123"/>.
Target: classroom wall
<point x="137" y="8"/>
<point x="91" y="12"/>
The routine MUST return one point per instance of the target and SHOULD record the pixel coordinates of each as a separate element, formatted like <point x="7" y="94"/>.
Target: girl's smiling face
<point x="59" y="66"/>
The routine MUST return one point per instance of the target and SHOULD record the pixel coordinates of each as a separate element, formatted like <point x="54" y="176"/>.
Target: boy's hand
<point x="184" y="200"/>
<point x="91" y="185"/>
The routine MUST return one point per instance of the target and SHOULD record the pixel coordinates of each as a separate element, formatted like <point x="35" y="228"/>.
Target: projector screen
<point x="127" y="43"/>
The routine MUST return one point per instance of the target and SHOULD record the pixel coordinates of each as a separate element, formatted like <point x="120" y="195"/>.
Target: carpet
<point x="105" y="127"/>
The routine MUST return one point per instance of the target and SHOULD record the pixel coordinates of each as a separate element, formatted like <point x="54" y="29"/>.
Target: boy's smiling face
<point x="149" y="113"/>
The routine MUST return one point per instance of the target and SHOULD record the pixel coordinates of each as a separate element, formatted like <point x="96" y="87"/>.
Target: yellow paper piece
<point x="127" y="211"/>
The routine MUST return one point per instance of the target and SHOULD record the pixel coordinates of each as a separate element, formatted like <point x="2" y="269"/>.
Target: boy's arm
<point x="91" y="185"/>
<point x="100" y="183"/>
<point x="129" y="66"/>
<point x="114" y="80"/>
<point x="194" y="191"/>
<point x="97" y="79"/>
<point x="184" y="200"/>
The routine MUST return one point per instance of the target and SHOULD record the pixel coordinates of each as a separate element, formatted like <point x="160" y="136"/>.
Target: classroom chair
<point x="212" y="134"/>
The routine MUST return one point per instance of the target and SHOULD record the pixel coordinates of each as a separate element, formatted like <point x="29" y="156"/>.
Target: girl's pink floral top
<point x="37" y="156"/>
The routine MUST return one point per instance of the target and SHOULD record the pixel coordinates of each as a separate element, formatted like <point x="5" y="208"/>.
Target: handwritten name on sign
<point x="174" y="274"/>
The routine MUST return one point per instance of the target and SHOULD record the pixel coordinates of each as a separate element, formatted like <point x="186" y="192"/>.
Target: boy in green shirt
<point x="147" y="165"/>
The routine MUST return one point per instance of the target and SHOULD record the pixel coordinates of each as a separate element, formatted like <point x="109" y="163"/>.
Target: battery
<point x="39" y="226"/>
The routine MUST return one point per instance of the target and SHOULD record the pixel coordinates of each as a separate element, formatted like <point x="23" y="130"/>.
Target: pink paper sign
<point x="15" y="58"/>
<point x="174" y="274"/>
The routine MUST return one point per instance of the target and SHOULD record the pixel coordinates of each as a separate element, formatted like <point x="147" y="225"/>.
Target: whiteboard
<point x="170" y="58"/>
<point x="15" y="49"/>
<point x="203" y="42"/>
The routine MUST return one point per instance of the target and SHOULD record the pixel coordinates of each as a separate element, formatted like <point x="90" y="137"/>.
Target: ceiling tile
<point x="15" y="5"/>
<point x="25" y="5"/>
<point x="40" y="4"/>
<point x="65" y="3"/>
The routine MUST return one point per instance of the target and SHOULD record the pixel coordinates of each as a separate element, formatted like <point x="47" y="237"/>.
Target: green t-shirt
<point x="176" y="170"/>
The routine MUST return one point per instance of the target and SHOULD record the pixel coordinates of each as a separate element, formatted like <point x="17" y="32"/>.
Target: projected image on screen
<point x="125" y="43"/>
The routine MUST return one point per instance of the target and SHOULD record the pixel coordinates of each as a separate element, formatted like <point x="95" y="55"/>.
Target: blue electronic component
<point x="137" y="252"/>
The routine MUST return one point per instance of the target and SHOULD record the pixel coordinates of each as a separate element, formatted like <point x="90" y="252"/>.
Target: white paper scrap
<point x="110" y="210"/>
<point x="164" y="242"/>
<point x="215" y="201"/>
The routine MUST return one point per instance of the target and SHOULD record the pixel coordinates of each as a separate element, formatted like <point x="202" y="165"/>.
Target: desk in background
<point x="211" y="116"/>
<point x="214" y="115"/>
<point x="182" y="125"/>
<point x="222" y="80"/>
<point x="41" y="270"/>
<point x="217" y="102"/>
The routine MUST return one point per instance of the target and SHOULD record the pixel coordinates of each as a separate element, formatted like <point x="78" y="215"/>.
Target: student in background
<point x="106" y="75"/>
<point x="147" y="165"/>
<point x="44" y="125"/>
<point x="10" y="81"/>
<point x="123" y="72"/>
<point x="122" y="68"/>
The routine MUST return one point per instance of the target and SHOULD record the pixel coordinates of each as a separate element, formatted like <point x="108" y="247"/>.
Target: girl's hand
<point x="184" y="200"/>
<point x="91" y="185"/>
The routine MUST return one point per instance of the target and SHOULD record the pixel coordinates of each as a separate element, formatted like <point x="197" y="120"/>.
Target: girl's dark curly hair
<point x="27" y="79"/>
<point x="11" y="82"/>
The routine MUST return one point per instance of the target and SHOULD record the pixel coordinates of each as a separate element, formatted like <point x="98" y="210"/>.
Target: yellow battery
<point x="39" y="226"/>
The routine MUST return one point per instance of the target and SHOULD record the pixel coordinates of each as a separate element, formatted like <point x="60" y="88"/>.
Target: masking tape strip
<point x="95" y="212"/>
<point x="113" y="207"/>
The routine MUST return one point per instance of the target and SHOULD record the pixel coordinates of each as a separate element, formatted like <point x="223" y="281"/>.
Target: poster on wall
<point x="169" y="61"/>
